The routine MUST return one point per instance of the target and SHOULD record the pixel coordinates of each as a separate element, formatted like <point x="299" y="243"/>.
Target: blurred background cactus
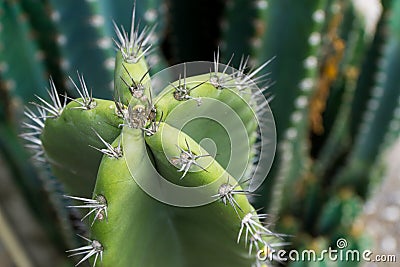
<point x="336" y="104"/>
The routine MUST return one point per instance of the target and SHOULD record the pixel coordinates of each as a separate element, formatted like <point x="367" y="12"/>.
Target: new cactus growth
<point x="147" y="185"/>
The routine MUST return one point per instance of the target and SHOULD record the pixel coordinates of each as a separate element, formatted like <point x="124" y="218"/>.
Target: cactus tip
<point x="135" y="45"/>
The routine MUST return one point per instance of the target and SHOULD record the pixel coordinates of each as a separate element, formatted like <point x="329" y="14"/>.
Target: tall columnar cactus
<point x="139" y="166"/>
<point x="320" y="183"/>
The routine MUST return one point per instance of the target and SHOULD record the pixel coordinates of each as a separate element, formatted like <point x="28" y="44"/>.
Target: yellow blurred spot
<point x="358" y="228"/>
<point x="332" y="53"/>
<point x="346" y="193"/>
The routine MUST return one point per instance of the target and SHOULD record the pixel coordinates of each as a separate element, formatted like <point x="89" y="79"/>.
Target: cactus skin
<point x="120" y="233"/>
<point x="238" y="30"/>
<point x="41" y="19"/>
<point x="199" y="129"/>
<point x="16" y="40"/>
<point x="370" y="67"/>
<point x="374" y="126"/>
<point x="93" y="44"/>
<point x="298" y="91"/>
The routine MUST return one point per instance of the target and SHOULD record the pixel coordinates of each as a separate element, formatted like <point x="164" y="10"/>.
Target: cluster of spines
<point x="51" y="109"/>
<point x="34" y="128"/>
<point x="54" y="108"/>
<point x="98" y="206"/>
<point x="109" y="150"/>
<point x="141" y="115"/>
<point x="94" y="248"/>
<point x="135" y="45"/>
<point x="36" y="120"/>
<point x="187" y="159"/>
<point x="227" y="191"/>
<point x="181" y="90"/>
<point x="251" y="227"/>
<point x="153" y="14"/>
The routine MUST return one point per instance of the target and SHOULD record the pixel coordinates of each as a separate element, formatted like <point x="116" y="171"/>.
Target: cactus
<point x="128" y="131"/>
<point x="324" y="195"/>
<point x="143" y="141"/>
